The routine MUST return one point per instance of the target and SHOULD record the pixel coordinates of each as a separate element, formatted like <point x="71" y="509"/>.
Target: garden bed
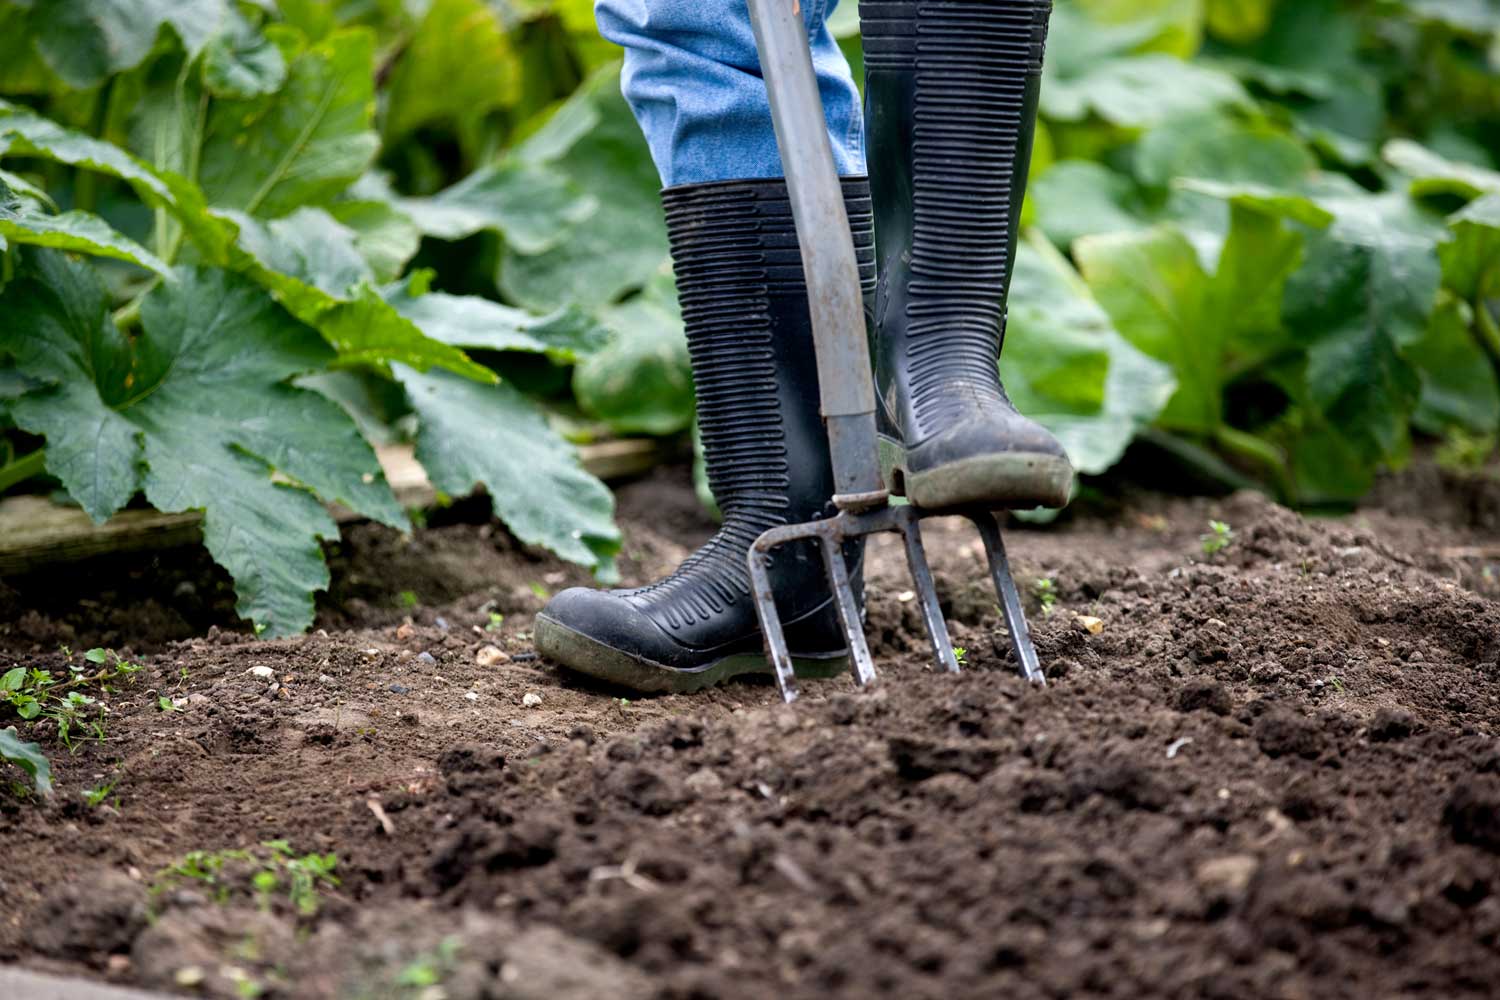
<point x="1269" y="771"/>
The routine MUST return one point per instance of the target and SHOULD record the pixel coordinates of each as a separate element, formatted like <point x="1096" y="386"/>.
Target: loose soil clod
<point x="1272" y="772"/>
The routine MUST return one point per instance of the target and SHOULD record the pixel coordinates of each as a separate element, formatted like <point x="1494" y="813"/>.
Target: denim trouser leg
<point x="692" y="77"/>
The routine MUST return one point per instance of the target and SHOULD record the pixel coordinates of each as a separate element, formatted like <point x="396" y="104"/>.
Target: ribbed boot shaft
<point x="744" y="305"/>
<point x="973" y="62"/>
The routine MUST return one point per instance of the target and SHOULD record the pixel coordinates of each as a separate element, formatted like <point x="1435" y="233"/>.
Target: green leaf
<point x="535" y="209"/>
<point x="1459" y="387"/>
<point x="1478" y="17"/>
<point x="384" y="236"/>
<point x="27" y="134"/>
<point x="1356" y="306"/>
<point x="1076" y="198"/>
<point x="313" y="266"/>
<point x="1141" y="91"/>
<point x="1239" y="21"/>
<point x="28" y="757"/>
<point x="77" y="232"/>
<point x="1177" y="25"/>
<point x="1066" y="366"/>
<point x="301" y="145"/>
<point x="1154" y="289"/>
<point x="473" y="323"/>
<point x="1432" y="174"/>
<point x="243" y="64"/>
<point x="472" y="435"/>
<point x="87" y="41"/>
<point x="1471" y="259"/>
<point x="594" y="141"/>
<point x="458" y="65"/>
<point x="1220" y="148"/>
<point x="197" y="411"/>
<point x="642" y="383"/>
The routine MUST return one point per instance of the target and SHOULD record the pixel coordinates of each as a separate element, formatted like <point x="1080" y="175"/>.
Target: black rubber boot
<point x="744" y="302"/>
<point x="950" y="104"/>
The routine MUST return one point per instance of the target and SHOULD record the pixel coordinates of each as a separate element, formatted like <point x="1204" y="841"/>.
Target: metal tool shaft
<point x="828" y="260"/>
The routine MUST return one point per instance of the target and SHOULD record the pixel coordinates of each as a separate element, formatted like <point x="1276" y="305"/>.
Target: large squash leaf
<point x="78" y="232"/>
<point x="493" y="436"/>
<point x="196" y="411"/>
<point x="1066" y="365"/>
<point x="301" y="145"/>
<point x="87" y="41"/>
<point x="458" y="65"/>
<point x="312" y="264"/>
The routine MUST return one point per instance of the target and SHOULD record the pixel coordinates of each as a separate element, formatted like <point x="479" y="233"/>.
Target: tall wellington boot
<point x="951" y="103"/>
<point x="744" y="303"/>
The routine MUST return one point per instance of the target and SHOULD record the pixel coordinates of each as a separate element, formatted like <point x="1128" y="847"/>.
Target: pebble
<point x="441" y="623"/>
<point x="264" y="673"/>
<point x="1230" y="875"/>
<point x="1090" y="624"/>
<point x="325" y="678"/>
<point x="471" y="695"/>
<point x="531" y="699"/>
<point x="490" y="656"/>
<point x="405" y="631"/>
<point x="427" y="658"/>
<point x="400" y="688"/>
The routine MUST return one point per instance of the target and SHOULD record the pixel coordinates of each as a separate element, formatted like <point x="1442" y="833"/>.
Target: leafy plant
<point x="1219" y="537"/>
<point x="31" y="693"/>
<point x="269" y="873"/>
<point x="1046" y="593"/>
<point x="223" y="368"/>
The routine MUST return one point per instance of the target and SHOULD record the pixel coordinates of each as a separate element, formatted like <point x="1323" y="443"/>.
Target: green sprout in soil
<point x="1218" y="538"/>
<point x="408" y="598"/>
<point x="959" y="653"/>
<point x="31" y="694"/>
<point x="94" y="797"/>
<point x="272" y="871"/>
<point x="496" y="620"/>
<point x="539" y="590"/>
<point x="1046" y="592"/>
<point x="425" y="973"/>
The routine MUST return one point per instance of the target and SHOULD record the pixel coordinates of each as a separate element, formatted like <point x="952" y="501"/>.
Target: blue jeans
<point x="692" y="77"/>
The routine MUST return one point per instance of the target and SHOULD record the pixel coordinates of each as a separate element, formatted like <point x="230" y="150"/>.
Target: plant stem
<point x="1260" y="453"/>
<point x="1489" y="330"/>
<point x="23" y="468"/>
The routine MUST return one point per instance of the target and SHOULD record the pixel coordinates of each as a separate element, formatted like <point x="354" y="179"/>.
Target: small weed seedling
<point x="94" y="797"/>
<point x="408" y="598"/>
<point x="539" y="590"/>
<point x="496" y="620"/>
<point x="1218" y="538"/>
<point x="31" y="693"/>
<point x="272" y="872"/>
<point x="959" y="653"/>
<point x="1046" y="592"/>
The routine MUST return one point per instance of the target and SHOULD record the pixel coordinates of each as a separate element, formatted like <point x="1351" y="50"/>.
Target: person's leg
<point x="951" y="88"/>
<point x="693" y="79"/>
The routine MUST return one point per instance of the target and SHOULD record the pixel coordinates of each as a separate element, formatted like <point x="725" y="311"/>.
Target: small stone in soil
<point x="405" y="631"/>
<point x="531" y="699"/>
<point x="263" y="672"/>
<point x="427" y="658"/>
<point x="490" y="656"/>
<point x="400" y="688"/>
<point x="471" y="695"/>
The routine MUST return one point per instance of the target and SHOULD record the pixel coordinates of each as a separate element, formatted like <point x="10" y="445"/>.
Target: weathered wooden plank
<point x="36" y="532"/>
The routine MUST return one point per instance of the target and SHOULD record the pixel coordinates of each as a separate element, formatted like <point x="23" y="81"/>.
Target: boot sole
<point x="1004" y="480"/>
<point x="586" y="655"/>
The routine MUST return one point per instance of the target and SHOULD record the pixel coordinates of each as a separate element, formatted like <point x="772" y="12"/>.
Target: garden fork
<point x="848" y="395"/>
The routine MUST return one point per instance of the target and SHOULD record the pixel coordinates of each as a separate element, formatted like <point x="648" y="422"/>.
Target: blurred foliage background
<point x="250" y="238"/>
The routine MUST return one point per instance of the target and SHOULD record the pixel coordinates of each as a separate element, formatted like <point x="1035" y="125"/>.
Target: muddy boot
<point x="744" y="302"/>
<point x="950" y="103"/>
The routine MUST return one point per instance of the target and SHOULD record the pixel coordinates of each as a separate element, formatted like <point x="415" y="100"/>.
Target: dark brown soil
<point x="1270" y="772"/>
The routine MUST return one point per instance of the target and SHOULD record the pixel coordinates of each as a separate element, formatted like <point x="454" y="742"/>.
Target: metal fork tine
<point x="921" y="575"/>
<point x="1010" y="599"/>
<point x="770" y="620"/>
<point x="843" y="595"/>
